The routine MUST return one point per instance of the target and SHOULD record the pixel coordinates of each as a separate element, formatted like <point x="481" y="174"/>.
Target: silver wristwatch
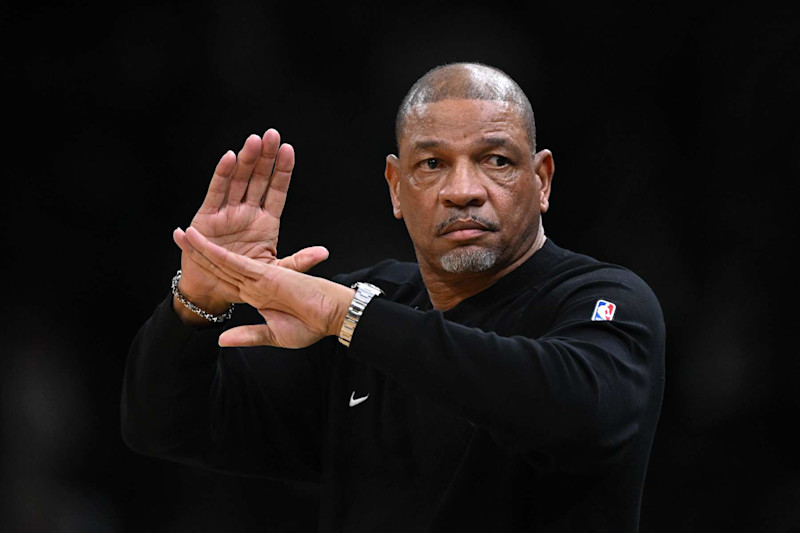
<point x="365" y="292"/>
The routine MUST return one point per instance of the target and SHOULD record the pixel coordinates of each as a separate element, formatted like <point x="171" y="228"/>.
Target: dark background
<point x="675" y="135"/>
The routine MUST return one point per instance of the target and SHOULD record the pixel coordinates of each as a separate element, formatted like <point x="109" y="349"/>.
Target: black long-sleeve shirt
<point x="520" y="409"/>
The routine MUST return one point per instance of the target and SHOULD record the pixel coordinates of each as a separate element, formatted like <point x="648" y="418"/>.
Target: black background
<point x="675" y="135"/>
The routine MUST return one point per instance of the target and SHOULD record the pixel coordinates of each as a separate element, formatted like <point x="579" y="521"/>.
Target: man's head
<point x="467" y="179"/>
<point x="466" y="81"/>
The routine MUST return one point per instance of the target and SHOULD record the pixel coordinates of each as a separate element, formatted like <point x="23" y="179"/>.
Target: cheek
<point x="411" y="211"/>
<point x="417" y="224"/>
<point x="417" y="204"/>
<point x="518" y="209"/>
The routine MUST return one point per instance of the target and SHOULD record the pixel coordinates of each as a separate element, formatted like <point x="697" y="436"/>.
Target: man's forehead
<point x="445" y="118"/>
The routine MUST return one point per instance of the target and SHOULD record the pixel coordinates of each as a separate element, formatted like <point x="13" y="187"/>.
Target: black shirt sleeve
<point x="573" y="397"/>
<point x="255" y="411"/>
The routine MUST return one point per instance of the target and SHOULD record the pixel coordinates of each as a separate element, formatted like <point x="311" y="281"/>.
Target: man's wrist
<point x="186" y="316"/>
<point x="364" y="293"/>
<point x="197" y="309"/>
<point x="343" y="298"/>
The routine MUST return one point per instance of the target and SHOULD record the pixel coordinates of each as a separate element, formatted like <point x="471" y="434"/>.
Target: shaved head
<point x="466" y="81"/>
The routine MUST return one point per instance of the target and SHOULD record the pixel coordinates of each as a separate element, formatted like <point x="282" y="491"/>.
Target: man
<point x="501" y="383"/>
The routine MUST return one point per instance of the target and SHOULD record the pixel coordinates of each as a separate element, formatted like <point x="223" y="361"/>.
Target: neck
<point x="446" y="289"/>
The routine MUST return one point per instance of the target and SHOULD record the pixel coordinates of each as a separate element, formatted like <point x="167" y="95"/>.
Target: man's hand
<point x="241" y="213"/>
<point x="299" y="309"/>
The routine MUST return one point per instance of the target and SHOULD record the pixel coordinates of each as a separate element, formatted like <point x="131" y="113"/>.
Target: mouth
<point x="465" y="229"/>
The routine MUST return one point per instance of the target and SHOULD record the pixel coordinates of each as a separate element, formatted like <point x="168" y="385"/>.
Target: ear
<point x="392" y="174"/>
<point x="544" y="167"/>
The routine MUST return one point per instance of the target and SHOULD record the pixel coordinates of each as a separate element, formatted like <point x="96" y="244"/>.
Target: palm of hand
<point x="241" y="212"/>
<point x="245" y="230"/>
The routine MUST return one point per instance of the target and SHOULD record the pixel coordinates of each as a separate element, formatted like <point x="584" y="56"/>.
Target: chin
<point x="464" y="260"/>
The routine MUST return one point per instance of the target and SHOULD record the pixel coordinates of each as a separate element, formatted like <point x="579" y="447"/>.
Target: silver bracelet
<point x="193" y="308"/>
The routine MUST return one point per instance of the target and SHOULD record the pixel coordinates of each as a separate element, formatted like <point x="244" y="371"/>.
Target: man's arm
<point x="574" y="398"/>
<point x="186" y="400"/>
<point x="576" y="395"/>
<point x="255" y="411"/>
<point x="299" y="309"/>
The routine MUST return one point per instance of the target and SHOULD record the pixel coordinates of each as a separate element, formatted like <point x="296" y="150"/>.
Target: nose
<point x="462" y="187"/>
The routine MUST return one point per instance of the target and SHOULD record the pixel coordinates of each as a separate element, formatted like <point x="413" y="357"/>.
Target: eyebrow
<point x="495" y="141"/>
<point x="427" y="143"/>
<point x="486" y="141"/>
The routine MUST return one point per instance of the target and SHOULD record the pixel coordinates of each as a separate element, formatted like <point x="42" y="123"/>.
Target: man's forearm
<point x="184" y="399"/>
<point x="537" y="394"/>
<point x="157" y="368"/>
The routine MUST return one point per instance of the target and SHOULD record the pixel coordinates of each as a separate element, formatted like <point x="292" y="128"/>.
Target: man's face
<point x="467" y="185"/>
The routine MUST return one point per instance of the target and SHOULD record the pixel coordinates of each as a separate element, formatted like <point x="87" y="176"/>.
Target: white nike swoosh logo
<point x="355" y="401"/>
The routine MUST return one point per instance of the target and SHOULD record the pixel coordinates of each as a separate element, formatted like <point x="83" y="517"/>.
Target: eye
<point x="431" y="163"/>
<point x="499" y="160"/>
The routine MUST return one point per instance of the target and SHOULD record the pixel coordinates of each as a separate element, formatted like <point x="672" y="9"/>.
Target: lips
<point x="464" y="229"/>
<point x="462" y="225"/>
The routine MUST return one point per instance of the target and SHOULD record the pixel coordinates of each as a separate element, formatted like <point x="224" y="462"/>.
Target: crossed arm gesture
<point x="230" y="254"/>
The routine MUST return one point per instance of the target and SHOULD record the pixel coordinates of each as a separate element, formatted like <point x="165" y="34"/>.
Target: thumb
<point x="305" y="259"/>
<point x="258" y="335"/>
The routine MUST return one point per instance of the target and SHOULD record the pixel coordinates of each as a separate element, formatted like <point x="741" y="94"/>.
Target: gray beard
<point x="471" y="260"/>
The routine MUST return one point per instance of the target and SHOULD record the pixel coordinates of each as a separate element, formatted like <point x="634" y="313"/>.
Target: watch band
<point x="365" y="292"/>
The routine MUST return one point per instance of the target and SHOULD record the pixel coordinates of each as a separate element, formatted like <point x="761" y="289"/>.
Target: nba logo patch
<point x="603" y="310"/>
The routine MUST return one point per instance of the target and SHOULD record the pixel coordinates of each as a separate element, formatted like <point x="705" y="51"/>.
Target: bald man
<point x="500" y="383"/>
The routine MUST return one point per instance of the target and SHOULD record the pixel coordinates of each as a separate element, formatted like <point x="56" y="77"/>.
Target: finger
<point x="275" y="197"/>
<point x="220" y="181"/>
<point x="305" y="259"/>
<point x="230" y="290"/>
<point x="258" y="335"/>
<point x="232" y="265"/>
<point x="196" y="254"/>
<point x="245" y="162"/>
<point x="204" y="264"/>
<point x="263" y="168"/>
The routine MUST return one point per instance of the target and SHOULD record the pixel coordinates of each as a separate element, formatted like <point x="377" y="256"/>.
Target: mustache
<point x="488" y="224"/>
